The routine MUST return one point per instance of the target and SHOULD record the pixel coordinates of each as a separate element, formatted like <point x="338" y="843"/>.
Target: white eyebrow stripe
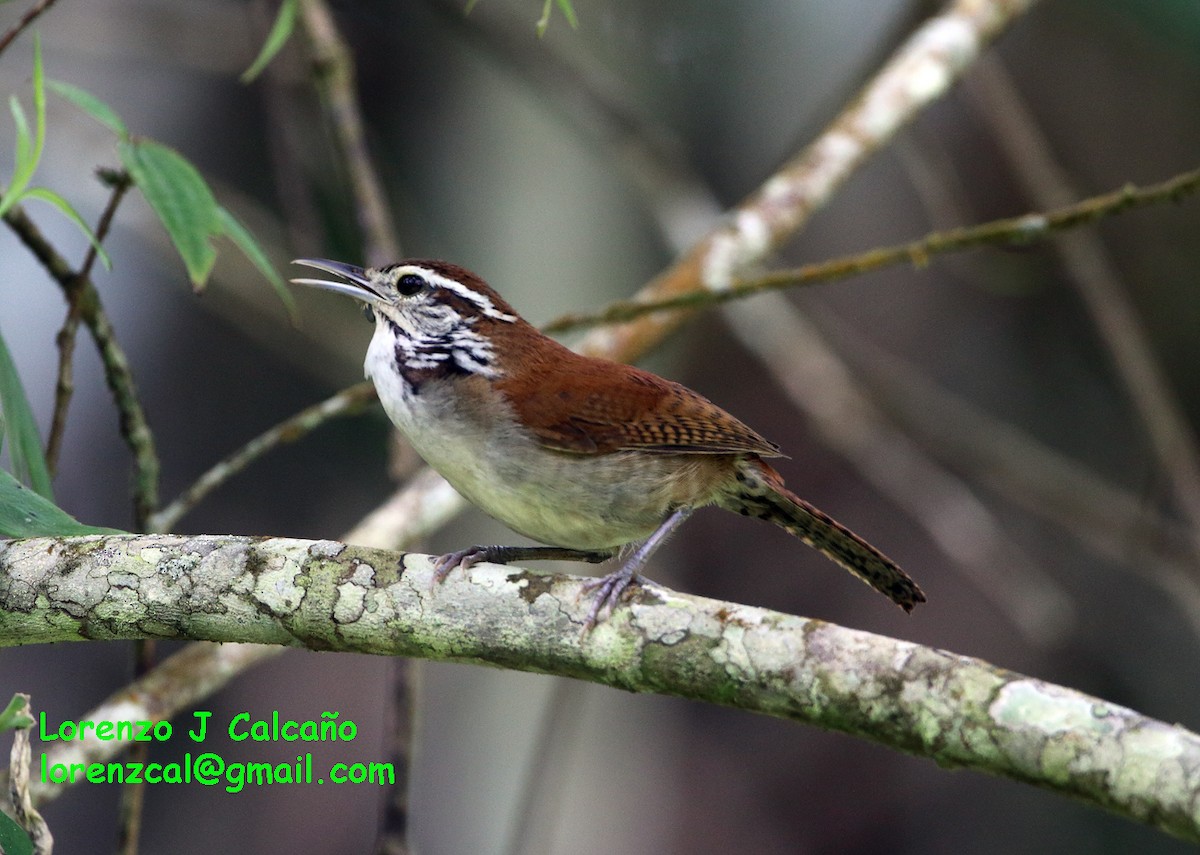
<point x="481" y="300"/>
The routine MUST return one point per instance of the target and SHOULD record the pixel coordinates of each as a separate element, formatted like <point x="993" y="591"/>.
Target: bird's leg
<point x="609" y="588"/>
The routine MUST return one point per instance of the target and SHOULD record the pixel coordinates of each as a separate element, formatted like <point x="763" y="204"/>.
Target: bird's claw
<point x="464" y="558"/>
<point x="609" y="590"/>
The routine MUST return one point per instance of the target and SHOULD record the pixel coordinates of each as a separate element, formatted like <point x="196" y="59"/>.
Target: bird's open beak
<point x="357" y="284"/>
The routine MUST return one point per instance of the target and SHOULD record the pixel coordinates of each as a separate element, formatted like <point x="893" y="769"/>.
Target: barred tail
<point x="762" y="494"/>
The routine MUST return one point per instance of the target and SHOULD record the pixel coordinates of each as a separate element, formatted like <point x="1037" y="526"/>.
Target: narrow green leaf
<point x="250" y="248"/>
<point x="65" y="208"/>
<point x="564" y="6"/>
<point x="23" y="165"/>
<point x="24" y="153"/>
<point x="39" y="99"/>
<point x="91" y="105"/>
<point x="23" y="513"/>
<point x="24" y="444"/>
<point x="17" y="715"/>
<point x="29" y="146"/>
<point x="568" y="11"/>
<point x="281" y="31"/>
<point x="182" y="200"/>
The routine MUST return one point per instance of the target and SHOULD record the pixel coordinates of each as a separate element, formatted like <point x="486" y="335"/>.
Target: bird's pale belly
<point x="579" y="501"/>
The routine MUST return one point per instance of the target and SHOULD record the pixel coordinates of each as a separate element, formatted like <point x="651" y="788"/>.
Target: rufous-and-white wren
<point x="586" y="455"/>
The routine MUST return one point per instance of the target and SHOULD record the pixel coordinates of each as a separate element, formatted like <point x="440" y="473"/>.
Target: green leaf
<point x="65" y="208"/>
<point x="281" y="31"/>
<point x="24" y="154"/>
<point x="23" y="163"/>
<point x="29" y="151"/>
<point x="564" y="6"/>
<point x="182" y="200"/>
<point x="24" y="444"/>
<point x="245" y="241"/>
<point x="91" y="105"/>
<point x="39" y="98"/>
<point x="23" y="513"/>
<point x="13" y="838"/>
<point x="17" y="715"/>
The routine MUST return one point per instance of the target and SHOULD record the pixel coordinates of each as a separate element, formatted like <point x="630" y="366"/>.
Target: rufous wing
<point x="592" y="406"/>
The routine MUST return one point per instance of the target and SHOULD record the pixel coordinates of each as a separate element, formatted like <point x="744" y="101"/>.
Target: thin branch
<point x="419" y="508"/>
<point x="117" y="373"/>
<point x="346" y="402"/>
<point x="333" y="64"/>
<point x="396" y="822"/>
<point x="593" y="100"/>
<point x="920" y="71"/>
<point x="1009" y="231"/>
<point x="1093" y="272"/>
<point x="28" y="18"/>
<point x="65" y="385"/>
<point x="958" y="711"/>
<point x="817" y="381"/>
<point x="1105" y="520"/>
<point x="20" y="789"/>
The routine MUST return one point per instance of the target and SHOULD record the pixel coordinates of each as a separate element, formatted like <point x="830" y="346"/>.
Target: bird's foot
<point x="608" y="593"/>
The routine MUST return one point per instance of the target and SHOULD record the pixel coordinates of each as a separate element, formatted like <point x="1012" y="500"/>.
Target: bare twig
<point x="592" y="100"/>
<point x="346" y="402"/>
<point x="28" y="18"/>
<point x="1103" y="519"/>
<point x="393" y="837"/>
<point x="65" y="385"/>
<point x="819" y="383"/>
<point x="1004" y="232"/>
<point x="1092" y="271"/>
<point x="920" y="71"/>
<point x="418" y="508"/>
<point x="21" y="785"/>
<point x="117" y="373"/>
<point x="335" y="74"/>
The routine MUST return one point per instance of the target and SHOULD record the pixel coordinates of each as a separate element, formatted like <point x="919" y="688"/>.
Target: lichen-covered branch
<point x="324" y="595"/>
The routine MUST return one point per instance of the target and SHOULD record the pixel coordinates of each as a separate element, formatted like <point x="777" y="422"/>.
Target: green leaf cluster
<point x="179" y="195"/>
<point x="30" y="144"/>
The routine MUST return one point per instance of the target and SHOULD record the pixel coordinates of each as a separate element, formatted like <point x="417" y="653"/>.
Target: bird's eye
<point x="368" y="313"/>
<point x="409" y="284"/>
